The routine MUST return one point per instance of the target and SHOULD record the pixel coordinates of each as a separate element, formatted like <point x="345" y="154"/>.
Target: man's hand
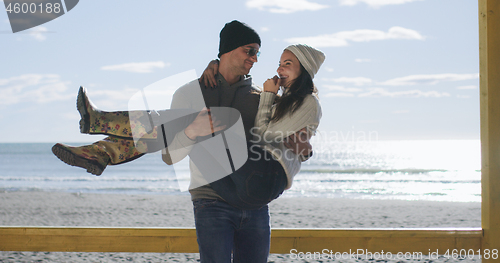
<point x="298" y="143"/>
<point x="208" y="76"/>
<point x="203" y="125"/>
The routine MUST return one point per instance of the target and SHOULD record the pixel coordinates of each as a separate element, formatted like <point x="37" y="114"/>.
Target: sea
<point x="433" y="170"/>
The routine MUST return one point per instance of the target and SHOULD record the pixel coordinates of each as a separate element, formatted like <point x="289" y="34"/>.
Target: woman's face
<point x="289" y="68"/>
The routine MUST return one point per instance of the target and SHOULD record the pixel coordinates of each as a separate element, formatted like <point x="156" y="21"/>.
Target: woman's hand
<point x="204" y="124"/>
<point x="298" y="142"/>
<point x="271" y="85"/>
<point x="208" y="76"/>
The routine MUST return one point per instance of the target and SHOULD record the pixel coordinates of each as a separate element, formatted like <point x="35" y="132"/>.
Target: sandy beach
<point x="115" y="210"/>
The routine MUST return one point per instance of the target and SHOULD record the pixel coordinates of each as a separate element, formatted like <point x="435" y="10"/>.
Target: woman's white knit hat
<point x="310" y="58"/>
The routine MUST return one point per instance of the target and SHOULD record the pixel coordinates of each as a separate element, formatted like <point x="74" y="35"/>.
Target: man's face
<point x="242" y="58"/>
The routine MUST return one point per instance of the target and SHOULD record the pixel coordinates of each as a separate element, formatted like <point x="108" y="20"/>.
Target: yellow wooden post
<point x="489" y="57"/>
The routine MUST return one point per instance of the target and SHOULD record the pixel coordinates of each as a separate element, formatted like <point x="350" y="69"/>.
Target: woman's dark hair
<point x="294" y="96"/>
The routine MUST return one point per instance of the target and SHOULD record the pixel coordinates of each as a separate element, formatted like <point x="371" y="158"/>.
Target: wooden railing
<point x="283" y="241"/>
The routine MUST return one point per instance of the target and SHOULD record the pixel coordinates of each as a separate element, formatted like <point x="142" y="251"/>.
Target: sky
<point x="394" y="69"/>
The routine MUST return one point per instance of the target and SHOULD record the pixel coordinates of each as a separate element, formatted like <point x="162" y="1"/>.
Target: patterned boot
<point x="124" y="124"/>
<point x="95" y="157"/>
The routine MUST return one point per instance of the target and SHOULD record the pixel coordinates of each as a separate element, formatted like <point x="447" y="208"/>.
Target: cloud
<point x="380" y="92"/>
<point x="375" y="3"/>
<point x="39" y="88"/>
<point x="467" y="87"/>
<point x="371" y="91"/>
<point x="39" y="33"/>
<point x="430" y="79"/>
<point x="342" y="88"/>
<point x="362" y="60"/>
<point x="340" y="91"/>
<point x="358" y="81"/>
<point x="141" y="67"/>
<point x="284" y="6"/>
<point x="368" y="121"/>
<point x="338" y="95"/>
<point x="123" y="94"/>
<point x="106" y="99"/>
<point x="264" y="29"/>
<point x="343" y="38"/>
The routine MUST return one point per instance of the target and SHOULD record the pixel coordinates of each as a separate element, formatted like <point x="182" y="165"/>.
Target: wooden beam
<point x="180" y="240"/>
<point x="95" y="239"/>
<point x="489" y="64"/>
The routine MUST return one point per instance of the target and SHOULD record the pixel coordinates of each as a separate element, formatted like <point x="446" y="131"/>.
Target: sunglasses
<point x="252" y="52"/>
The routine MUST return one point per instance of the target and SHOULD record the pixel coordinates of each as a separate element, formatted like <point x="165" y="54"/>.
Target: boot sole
<point x="82" y="109"/>
<point x="74" y="160"/>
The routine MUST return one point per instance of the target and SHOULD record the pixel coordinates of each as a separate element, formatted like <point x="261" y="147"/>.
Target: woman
<point x="271" y="166"/>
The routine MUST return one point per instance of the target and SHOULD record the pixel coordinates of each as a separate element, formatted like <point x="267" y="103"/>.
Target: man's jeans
<point x="222" y="229"/>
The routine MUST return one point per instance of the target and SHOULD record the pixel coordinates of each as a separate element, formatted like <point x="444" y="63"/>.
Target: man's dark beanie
<point x="236" y="34"/>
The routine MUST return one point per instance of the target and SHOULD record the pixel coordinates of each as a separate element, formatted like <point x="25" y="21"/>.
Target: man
<point x="222" y="229"/>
